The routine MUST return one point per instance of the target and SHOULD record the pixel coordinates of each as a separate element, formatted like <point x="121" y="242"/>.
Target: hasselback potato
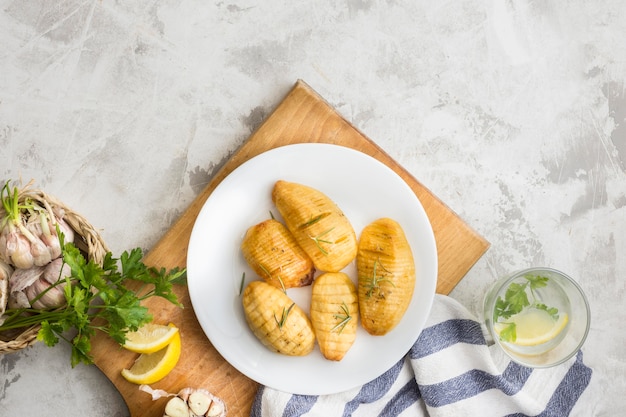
<point x="334" y="313"/>
<point x="386" y="275"/>
<point x="278" y="322"/>
<point x="317" y="223"/>
<point x="273" y="253"/>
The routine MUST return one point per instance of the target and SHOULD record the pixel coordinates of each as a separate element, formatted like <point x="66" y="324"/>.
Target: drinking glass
<point x="539" y="316"/>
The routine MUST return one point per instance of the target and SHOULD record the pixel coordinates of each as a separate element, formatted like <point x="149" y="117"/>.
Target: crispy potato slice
<point x="386" y="275"/>
<point x="276" y="320"/>
<point x="273" y="253"/>
<point x="317" y="223"/>
<point x="334" y="313"/>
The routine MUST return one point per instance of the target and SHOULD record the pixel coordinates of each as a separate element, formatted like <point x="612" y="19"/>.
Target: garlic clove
<point x="33" y="292"/>
<point x="43" y="229"/>
<point x="23" y="278"/>
<point x="18" y="249"/>
<point x="56" y="270"/>
<point x="40" y="252"/>
<point x="52" y="298"/>
<point x="199" y="403"/>
<point x="68" y="232"/>
<point x="18" y="300"/>
<point x="185" y="393"/>
<point x="176" y="407"/>
<point x="216" y="409"/>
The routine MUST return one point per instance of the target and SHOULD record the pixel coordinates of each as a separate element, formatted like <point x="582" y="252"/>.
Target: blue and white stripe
<point x="449" y="371"/>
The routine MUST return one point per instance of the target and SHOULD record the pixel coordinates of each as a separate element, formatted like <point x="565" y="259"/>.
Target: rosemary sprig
<point x="243" y="280"/>
<point x="318" y="239"/>
<point x="375" y="281"/>
<point x="343" y="318"/>
<point x="283" y="317"/>
<point x="312" y="221"/>
<point x="280" y="280"/>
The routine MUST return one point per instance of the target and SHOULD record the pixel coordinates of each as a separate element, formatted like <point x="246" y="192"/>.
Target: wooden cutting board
<point x="302" y="116"/>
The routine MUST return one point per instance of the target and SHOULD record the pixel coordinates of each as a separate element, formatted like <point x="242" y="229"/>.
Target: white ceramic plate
<point x="365" y="189"/>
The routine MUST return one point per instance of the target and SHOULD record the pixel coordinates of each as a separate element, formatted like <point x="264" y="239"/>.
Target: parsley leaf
<point x="49" y="335"/>
<point x="516" y="297"/>
<point x="508" y="333"/>
<point x="554" y="312"/>
<point x="536" y="281"/>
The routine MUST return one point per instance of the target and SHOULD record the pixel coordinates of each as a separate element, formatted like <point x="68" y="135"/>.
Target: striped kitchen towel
<point x="451" y="370"/>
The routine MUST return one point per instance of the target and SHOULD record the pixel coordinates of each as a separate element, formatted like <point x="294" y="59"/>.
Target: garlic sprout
<point x="189" y="402"/>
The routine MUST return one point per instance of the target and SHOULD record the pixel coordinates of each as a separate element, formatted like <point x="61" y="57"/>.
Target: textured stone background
<point x="513" y="113"/>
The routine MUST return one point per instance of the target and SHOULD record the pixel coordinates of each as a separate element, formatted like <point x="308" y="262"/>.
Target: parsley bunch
<point x="105" y="298"/>
<point x="515" y="300"/>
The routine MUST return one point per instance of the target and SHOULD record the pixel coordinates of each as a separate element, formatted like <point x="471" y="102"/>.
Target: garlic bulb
<point x="39" y="286"/>
<point x="189" y="402"/>
<point x="28" y="230"/>
<point x="20" y="280"/>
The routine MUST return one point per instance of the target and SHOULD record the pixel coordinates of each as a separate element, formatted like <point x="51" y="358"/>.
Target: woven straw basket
<point x="87" y="240"/>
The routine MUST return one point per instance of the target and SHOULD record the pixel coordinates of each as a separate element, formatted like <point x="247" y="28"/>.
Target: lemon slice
<point x="152" y="367"/>
<point x="150" y="338"/>
<point x="535" y="327"/>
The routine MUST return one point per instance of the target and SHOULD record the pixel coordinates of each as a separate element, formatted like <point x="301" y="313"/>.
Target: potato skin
<point x="317" y="223"/>
<point x="274" y="255"/>
<point x="334" y="313"/>
<point x="265" y="307"/>
<point x="386" y="275"/>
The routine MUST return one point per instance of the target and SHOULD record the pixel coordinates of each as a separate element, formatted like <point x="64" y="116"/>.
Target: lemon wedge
<point x="535" y="327"/>
<point x="150" y="338"/>
<point x="152" y="367"/>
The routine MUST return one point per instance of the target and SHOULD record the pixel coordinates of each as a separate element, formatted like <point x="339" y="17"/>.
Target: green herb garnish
<point x="515" y="300"/>
<point x="280" y="280"/>
<point x="343" y="318"/>
<point x="318" y="239"/>
<point x="104" y="298"/>
<point x="312" y="221"/>
<point x="375" y="280"/>
<point x="508" y="332"/>
<point x="283" y="317"/>
<point x="243" y="280"/>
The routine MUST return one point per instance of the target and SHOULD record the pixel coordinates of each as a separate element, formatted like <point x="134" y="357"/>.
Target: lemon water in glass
<point x="538" y="316"/>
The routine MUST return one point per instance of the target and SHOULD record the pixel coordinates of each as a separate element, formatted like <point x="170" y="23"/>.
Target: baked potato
<point x="278" y="322"/>
<point x="274" y="255"/>
<point x="334" y="313"/>
<point x="318" y="225"/>
<point x="386" y="275"/>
